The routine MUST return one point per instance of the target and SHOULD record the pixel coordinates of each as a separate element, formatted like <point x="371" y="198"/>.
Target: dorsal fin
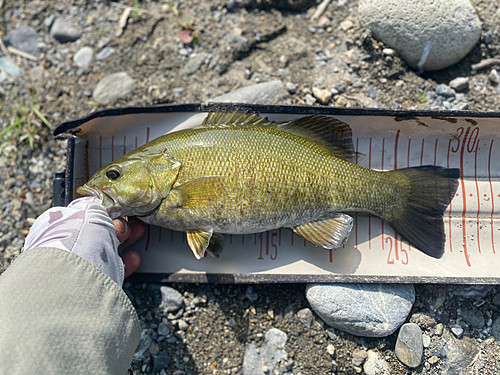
<point x="326" y="131"/>
<point x="234" y="118"/>
<point x="332" y="133"/>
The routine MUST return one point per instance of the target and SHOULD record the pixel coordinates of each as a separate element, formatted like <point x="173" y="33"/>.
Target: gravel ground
<point x="332" y="61"/>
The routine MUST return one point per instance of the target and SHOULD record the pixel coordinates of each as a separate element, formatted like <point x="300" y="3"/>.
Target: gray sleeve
<point x="59" y="314"/>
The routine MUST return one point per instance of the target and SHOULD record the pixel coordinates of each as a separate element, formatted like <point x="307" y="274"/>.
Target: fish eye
<point x="113" y="174"/>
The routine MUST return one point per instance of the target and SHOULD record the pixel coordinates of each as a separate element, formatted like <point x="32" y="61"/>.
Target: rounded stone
<point x="445" y="31"/>
<point x="171" y="299"/>
<point x="369" y="310"/>
<point x="83" y="58"/>
<point x="63" y="31"/>
<point x="459" y="84"/>
<point x="112" y="87"/>
<point x="24" y="38"/>
<point x="410" y="345"/>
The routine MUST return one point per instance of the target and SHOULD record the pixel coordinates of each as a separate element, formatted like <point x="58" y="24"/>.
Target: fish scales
<point x="239" y="173"/>
<point x="270" y="177"/>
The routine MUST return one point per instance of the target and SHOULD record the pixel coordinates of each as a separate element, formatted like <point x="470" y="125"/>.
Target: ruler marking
<point x="124" y="144"/>
<point x="357" y="143"/>
<point x="135" y="142"/>
<point x="464" y="198"/>
<point x="356" y="214"/>
<point x="147" y="135"/>
<point x="422" y="153"/>
<point x="448" y="166"/>
<point x="478" y="200"/>
<point x="147" y="238"/>
<point x="396" y="150"/>
<point x="492" y="197"/>
<point x="230" y="239"/>
<point x="369" y="216"/>
<point x="87" y="167"/>
<point x="100" y="152"/>
<point x="383" y="152"/>
<point x="409" y="148"/>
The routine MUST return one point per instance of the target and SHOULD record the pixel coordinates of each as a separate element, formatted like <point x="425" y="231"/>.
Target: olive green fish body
<point x="239" y="173"/>
<point x="268" y="179"/>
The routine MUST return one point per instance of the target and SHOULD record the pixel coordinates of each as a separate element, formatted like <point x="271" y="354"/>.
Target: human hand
<point x="85" y="228"/>
<point x="128" y="233"/>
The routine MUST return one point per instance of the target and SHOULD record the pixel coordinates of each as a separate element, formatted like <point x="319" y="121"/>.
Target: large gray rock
<point x="63" y="31"/>
<point x="24" y="38"/>
<point x="261" y="93"/>
<point x="369" y="310"/>
<point x="410" y="345"/>
<point x="444" y="30"/>
<point x="112" y="87"/>
<point x="261" y="361"/>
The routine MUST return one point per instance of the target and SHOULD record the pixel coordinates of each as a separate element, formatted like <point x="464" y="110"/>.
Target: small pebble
<point x="474" y="318"/>
<point x="494" y="77"/>
<point x="24" y="38"/>
<point x="358" y="357"/>
<point x="388" y="52"/>
<point x="291" y="88"/>
<point x="323" y="96"/>
<point x="426" y="340"/>
<point x="432" y="360"/>
<point x="83" y="58"/>
<point x="112" y="87"/>
<point x="439" y="329"/>
<point x="251" y="294"/>
<point x="330" y="349"/>
<point x="445" y="91"/>
<point x="171" y="299"/>
<point x="409" y="345"/>
<point x="105" y="53"/>
<point x="305" y="316"/>
<point x="182" y="325"/>
<point x="459" y="84"/>
<point x="310" y="100"/>
<point x="231" y="5"/>
<point x="64" y="32"/>
<point x="346" y="24"/>
<point x="457" y="331"/>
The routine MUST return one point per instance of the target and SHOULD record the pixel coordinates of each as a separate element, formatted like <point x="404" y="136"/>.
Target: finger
<point x="137" y="230"/>
<point x="132" y="261"/>
<point x="123" y="229"/>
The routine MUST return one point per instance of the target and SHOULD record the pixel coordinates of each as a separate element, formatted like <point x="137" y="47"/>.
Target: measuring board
<point x="384" y="140"/>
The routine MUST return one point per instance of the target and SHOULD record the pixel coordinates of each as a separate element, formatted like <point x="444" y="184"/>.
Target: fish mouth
<point x="106" y="199"/>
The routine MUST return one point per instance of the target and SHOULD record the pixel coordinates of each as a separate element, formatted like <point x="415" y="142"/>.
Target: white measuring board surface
<point x="374" y="252"/>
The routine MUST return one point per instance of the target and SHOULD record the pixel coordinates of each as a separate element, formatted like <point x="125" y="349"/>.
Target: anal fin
<point x="198" y="241"/>
<point x="330" y="233"/>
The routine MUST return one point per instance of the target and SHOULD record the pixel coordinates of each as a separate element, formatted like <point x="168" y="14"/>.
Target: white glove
<point x="83" y="228"/>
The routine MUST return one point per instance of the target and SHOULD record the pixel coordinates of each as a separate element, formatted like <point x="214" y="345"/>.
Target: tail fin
<point x="431" y="191"/>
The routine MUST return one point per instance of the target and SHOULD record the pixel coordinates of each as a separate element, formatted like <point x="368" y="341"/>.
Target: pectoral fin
<point x="197" y="193"/>
<point x="330" y="234"/>
<point x="199" y="240"/>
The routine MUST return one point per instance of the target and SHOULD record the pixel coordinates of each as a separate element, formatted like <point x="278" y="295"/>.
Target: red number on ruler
<point x="405" y="256"/>
<point x="389" y="260"/>
<point x="273" y="245"/>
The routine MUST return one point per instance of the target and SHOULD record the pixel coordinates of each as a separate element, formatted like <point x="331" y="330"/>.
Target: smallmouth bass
<point x="239" y="173"/>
